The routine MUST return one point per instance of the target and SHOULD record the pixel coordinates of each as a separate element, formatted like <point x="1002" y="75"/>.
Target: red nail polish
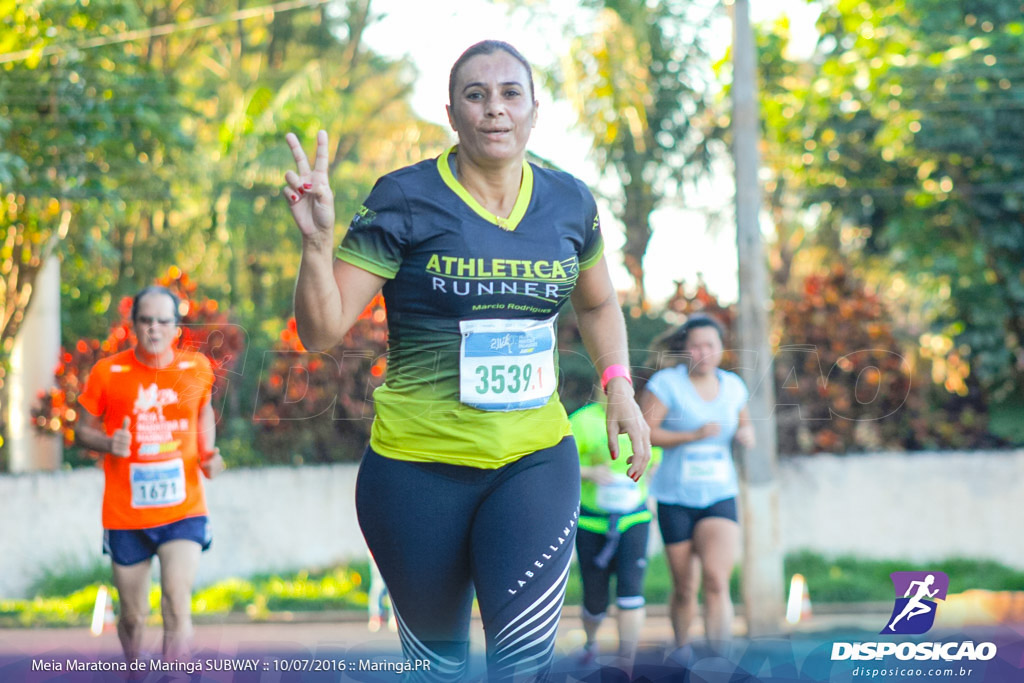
<point x="308" y="186"/>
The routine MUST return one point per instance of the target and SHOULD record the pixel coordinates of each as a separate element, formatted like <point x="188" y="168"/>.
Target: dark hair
<point x="486" y="47"/>
<point x="157" y="289"/>
<point x="674" y="341"/>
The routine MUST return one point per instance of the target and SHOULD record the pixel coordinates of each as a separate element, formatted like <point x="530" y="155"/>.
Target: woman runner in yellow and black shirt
<point x="471" y="479"/>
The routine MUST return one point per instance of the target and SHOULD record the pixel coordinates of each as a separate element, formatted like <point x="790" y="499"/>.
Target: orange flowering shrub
<point x="317" y="406"/>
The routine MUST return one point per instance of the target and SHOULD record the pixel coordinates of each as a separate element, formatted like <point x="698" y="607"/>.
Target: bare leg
<point x="132" y="583"/>
<point x="685" y="581"/>
<point x="631" y="621"/>
<point x="179" y="560"/>
<point x="715" y="541"/>
<point x="591" y="624"/>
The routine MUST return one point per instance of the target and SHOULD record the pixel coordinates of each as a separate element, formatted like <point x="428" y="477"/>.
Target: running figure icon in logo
<point x="919" y="591"/>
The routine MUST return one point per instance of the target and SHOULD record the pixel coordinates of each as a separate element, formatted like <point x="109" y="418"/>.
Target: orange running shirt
<point x="160" y="482"/>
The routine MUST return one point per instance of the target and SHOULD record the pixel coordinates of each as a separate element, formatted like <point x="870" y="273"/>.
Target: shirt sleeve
<point x="94" y="396"/>
<point x="378" y="235"/>
<point x="740" y="390"/>
<point x="593" y="242"/>
<point x="660" y="386"/>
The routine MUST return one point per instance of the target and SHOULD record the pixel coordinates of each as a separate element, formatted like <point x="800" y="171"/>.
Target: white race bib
<point x="506" y="364"/>
<point x="706" y="463"/>
<point x="622" y="495"/>
<point x="157" y="484"/>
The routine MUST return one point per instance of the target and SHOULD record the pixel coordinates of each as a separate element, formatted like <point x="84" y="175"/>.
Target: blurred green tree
<point x="893" y="149"/>
<point x="79" y="128"/>
<point x="144" y="135"/>
<point x="642" y="86"/>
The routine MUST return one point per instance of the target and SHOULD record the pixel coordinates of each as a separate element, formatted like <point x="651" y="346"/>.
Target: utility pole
<point x="763" y="581"/>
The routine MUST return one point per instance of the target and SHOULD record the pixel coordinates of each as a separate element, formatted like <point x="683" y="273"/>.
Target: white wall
<point x="917" y="507"/>
<point x="275" y="518"/>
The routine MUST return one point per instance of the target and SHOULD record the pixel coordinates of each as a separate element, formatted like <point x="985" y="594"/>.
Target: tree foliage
<point x="146" y="134"/>
<point x="847" y="380"/>
<point x="895" y="147"/>
<point x="77" y="127"/>
<point x="640" y="84"/>
<point x="80" y="127"/>
<point x="320" y="404"/>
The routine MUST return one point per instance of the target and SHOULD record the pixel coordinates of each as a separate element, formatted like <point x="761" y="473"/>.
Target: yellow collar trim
<point x="522" y="201"/>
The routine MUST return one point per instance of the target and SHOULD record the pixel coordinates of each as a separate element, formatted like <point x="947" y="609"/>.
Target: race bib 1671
<point x="157" y="484"/>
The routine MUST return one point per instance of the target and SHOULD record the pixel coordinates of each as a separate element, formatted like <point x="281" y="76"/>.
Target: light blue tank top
<point x="699" y="473"/>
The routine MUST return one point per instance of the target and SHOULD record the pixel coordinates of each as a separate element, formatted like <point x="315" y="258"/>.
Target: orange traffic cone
<point x="798" y="607"/>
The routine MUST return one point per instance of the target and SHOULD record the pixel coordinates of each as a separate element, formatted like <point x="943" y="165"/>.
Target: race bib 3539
<point x="507" y="364"/>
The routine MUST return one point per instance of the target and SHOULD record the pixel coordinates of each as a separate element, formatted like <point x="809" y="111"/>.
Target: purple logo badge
<point x="916" y="593"/>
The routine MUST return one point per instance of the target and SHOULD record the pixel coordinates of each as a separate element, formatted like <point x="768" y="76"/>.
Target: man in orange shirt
<point x="148" y="411"/>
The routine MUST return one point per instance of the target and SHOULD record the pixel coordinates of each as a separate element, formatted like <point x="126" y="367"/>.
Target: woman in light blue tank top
<point x="696" y="410"/>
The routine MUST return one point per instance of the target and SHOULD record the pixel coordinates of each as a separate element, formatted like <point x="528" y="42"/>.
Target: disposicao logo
<point x="914" y="612"/>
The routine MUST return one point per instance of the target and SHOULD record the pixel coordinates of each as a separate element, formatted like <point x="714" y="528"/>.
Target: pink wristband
<point x="614" y="371"/>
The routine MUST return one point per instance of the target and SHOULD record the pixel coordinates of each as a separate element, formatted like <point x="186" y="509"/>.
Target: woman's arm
<point x="604" y="335"/>
<point x="655" y="411"/>
<point x="328" y="302"/>
<point x="329" y="294"/>
<point x="745" y="431"/>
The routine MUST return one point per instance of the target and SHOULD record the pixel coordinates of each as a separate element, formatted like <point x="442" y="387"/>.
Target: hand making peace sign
<point x="308" y="191"/>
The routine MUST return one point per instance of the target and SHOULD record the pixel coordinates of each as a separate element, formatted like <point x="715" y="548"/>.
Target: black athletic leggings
<point x="628" y="565"/>
<point x="439" y="531"/>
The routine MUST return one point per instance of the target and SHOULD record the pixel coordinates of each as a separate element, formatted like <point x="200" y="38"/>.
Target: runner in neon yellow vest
<point x="613" y="530"/>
